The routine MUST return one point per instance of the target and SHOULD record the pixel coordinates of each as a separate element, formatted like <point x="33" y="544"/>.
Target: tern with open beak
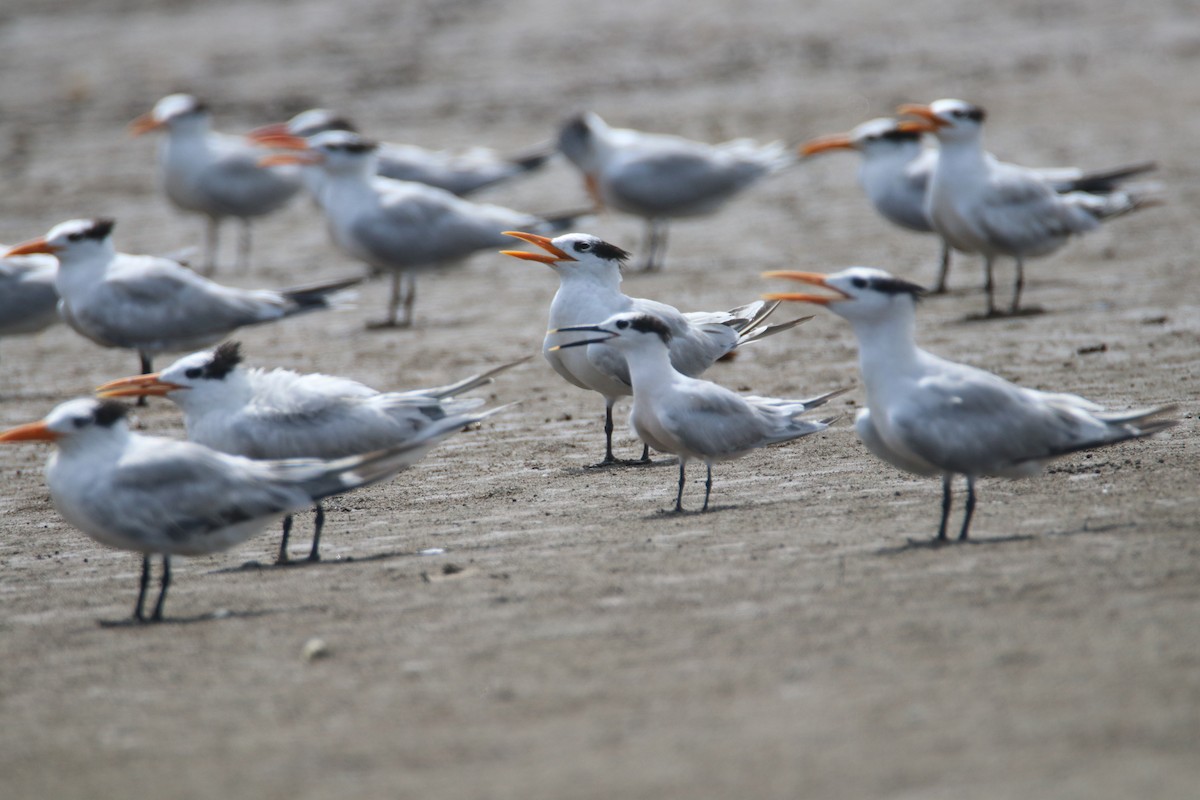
<point x="930" y="416"/>
<point x="589" y="289"/>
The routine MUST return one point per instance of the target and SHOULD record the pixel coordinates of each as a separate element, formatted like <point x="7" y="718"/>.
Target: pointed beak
<point x="555" y="255"/>
<point x="138" y="386"/>
<point x="144" y="124"/>
<point x="812" y="278"/>
<point x="306" y="157"/>
<point x="31" y="432"/>
<point x="838" y="141"/>
<point x="38" y="245"/>
<point x="577" y="328"/>
<point x="267" y="131"/>
<point x="280" y="140"/>
<point x="932" y="121"/>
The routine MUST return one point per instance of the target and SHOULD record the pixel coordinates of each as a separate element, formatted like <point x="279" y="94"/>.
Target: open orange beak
<point x="813" y="278"/>
<point x="38" y="245"/>
<point x="31" y="432"/>
<point x="932" y="120"/>
<point x="144" y="124"/>
<point x="838" y="141"/>
<point x="551" y="257"/>
<point x="138" y="386"/>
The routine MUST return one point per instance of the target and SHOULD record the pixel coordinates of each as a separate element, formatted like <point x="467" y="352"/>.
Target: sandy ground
<point x="574" y="640"/>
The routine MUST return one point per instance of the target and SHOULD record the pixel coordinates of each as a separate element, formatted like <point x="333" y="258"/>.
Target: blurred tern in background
<point x="159" y="496"/>
<point x="28" y="299"/>
<point x="659" y="176"/>
<point x="214" y="174"/>
<point x="152" y="304"/>
<point x="694" y="419"/>
<point x="278" y="413"/>
<point x="399" y="227"/>
<point x="982" y="205"/>
<point x="458" y="171"/>
<point x="930" y="416"/>
<point x="589" y="273"/>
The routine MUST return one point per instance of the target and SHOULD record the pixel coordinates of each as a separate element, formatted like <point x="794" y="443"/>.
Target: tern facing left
<point x="28" y="299"/>
<point x="980" y="204"/>
<point x="214" y="174"/>
<point x="930" y="416"/>
<point x="279" y="413"/>
<point x="692" y="418"/>
<point x="159" y="496"/>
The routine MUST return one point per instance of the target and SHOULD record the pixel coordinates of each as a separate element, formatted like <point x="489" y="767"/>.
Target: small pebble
<point x="315" y="648"/>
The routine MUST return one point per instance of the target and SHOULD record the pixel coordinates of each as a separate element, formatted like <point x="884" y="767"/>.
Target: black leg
<point x="1018" y="286"/>
<point x="315" y="553"/>
<point x="137" y="609"/>
<point x="609" y="459"/>
<point x="989" y="284"/>
<point x="679" y="494"/>
<point x="947" y="499"/>
<point x="645" y="453"/>
<point x="282" y="558"/>
<point x="162" y="592"/>
<point x="962" y="536"/>
<point x="944" y="270"/>
<point x="147" y="368"/>
<point x="707" y="488"/>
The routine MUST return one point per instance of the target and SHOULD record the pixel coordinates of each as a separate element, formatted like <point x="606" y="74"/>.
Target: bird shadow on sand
<point x="211" y="616"/>
<point x="946" y="544"/>
<point x="259" y="566"/>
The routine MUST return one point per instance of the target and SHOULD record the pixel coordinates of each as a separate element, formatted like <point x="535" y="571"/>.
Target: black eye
<point x="860" y="283"/>
<point x="622" y="324"/>
<point x="582" y="247"/>
<point x="74" y="237"/>
<point x="194" y="372"/>
<point x="79" y="422"/>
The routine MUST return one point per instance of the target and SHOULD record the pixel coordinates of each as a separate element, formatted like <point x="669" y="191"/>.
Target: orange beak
<point x="31" y="432"/>
<point x="925" y="113"/>
<point x="306" y="158"/>
<point x="592" y="185"/>
<point x="138" y="386"/>
<point x="813" y="278"/>
<point x="555" y="255"/>
<point x="38" y="245"/>
<point x="263" y="131"/>
<point x="838" y="141"/>
<point x="281" y="140"/>
<point x="144" y="124"/>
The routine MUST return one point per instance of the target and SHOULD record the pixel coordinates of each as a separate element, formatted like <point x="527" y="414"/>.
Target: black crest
<point x="898" y="135"/>
<point x="577" y="127"/>
<point x="651" y="324"/>
<point x="357" y="146"/>
<point x="340" y="124"/>
<point x="610" y="252"/>
<point x="976" y="113"/>
<point x="226" y="356"/>
<point x="109" y="411"/>
<point x="897" y="286"/>
<point x="101" y="228"/>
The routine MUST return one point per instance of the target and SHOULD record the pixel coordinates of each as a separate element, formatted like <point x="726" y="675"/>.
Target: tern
<point x="692" y="418"/>
<point x="158" y="496"/>
<point x="589" y="273"/>
<point x="897" y="165"/>
<point x="394" y="226"/>
<point x="214" y="174"/>
<point x="28" y="299"/>
<point x="461" y="172"/>
<point x="930" y="416"/>
<point x="152" y="304"/>
<point x="275" y="414"/>
<point x="980" y="204"/>
<point x="660" y="176"/>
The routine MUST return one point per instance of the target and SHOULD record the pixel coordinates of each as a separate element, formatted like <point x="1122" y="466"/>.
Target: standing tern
<point x="930" y="416"/>
<point x="159" y="496"/>
<point x="692" y="418"/>
<point x="589" y="273"/>
<point x="659" y="176"/>
<point x="461" y="172"/>
<point x="394" y="226"/>
<point x="214" y="174"/>
<point x="28" y="300"/>
<point x="982" y="205"/>
<point x="152" y="304"/>
<point x="896" y="168"/>
<point x="278" y="413"/>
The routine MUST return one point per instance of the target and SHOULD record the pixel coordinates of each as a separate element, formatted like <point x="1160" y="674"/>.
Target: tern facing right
<point x="159" y="496"/>
<point x="692" y="418"/>
<point x="589" y="274"/>
<point x="279" y="413"/>
<point x="659" y="176"/>
<point x="930" y="416"/>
